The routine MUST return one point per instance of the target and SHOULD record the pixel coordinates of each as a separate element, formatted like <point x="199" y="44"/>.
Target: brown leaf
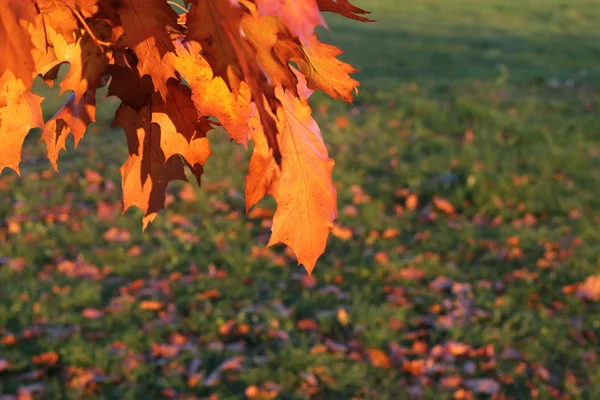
<point x="451" y="382"/>
<point x="483" y="385"/>
<point x="443" y="205"/>
<point x="147" y="171"/>
<point x="588" y="290"/>
<point x="144" y="23"/>
<point x="414" y="367"/>
<point x="412" y="202"/>
<point x="209" y="294"/>
<point x="378" y="358"/>
<point x="307" y="325"/>
<point x="457" y="348"/>
<point x="151" y="305"/>
<point x="46" y="359"/>
<point x="92" y="313"/>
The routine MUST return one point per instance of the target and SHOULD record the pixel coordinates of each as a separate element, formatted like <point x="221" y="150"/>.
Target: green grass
<point x="521" y="75"/>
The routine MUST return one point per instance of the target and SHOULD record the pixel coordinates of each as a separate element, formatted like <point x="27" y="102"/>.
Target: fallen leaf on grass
<point x="151" y="305"/>
<point x="48" y="359"/>
<point x="342" y="233"/>
<point x="451" y="382"/>
<point x="588" y="290"/>
<point x="342" y="122"/>
<point x="382" y="258"/>
<point x="390" y="233"/>
<point x="483" y="385"/>
<point x="209" y="294"/>
<point x="267" y="391"/>
<point x="9" y="340"/>
<point x="92" y="313"/>
<point x="443" y="205"/>
<point x="411" y="203"/>
<point x="342" y="317"/>
<point x="307" y="325"/>
<point x="378" y="358"/>
<point x="457" y="349"/>
<point x="414" y="367"/>
<point x="231" y="364"/>
<point x="227" y="327"/>
<point x="188" y="194"/>
<point x="116" y="235"/>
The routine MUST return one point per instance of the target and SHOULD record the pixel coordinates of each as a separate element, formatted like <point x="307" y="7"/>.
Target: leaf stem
<point x="87" y="28"/>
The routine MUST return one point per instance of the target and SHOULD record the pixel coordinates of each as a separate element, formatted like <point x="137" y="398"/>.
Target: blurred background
<point x="465" y="264"/>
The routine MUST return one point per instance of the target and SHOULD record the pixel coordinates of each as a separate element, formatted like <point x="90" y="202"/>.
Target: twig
<point x="87" y="28"/>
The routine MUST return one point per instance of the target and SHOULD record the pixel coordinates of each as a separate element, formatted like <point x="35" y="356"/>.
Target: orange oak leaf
<point x="344" y="8"/>
<point x="42" y="52"/>
<point x="132" y="89"/>
<point x="72" y="118"/>
<point x="443" y="205"/>
<point x="86" y="63"/>
<point x="215" y="25"/>
<point x="15" y="51"/>
<point x="59" y="16"/>
<point x="304" y="191"/>
<point x="181" y="131"/>
<point x="144" y="23"/>
<point x="274" y="48"/>
<point x="156" y="134"/>
<point x="20" y="111"/>
<point x="325" y="72"/>
<point x="146" y="173"/>
<point x="301" y="17"/>
<point x="212" y="24"/>
<point x="210" y="94"/>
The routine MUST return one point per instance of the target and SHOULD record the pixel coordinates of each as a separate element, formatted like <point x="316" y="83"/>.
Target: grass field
<point x="491" y="106"/>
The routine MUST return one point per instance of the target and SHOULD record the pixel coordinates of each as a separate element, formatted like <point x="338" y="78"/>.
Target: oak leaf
<point x="86" y="63"/>
<point x="144" y="23"/>
<point x="156" y="134"/>
<point x="325" y="72"/>
<point x="303" y="188"/>
<point x="146" y="173"/>
<point x="59" y="15"/>
<point x="15" y="52"/>
<point x="20" y="111"/>
<point x="274" y="48"/>
<point x="344" y="8"/>
<point x="215" y="26"/>
<point x="210" y="93"/>
<point x="72" y="118"/>
<point x="182" y="132"/>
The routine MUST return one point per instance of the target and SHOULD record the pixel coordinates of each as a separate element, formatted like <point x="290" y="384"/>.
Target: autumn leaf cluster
<point x="179" y="71"/>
